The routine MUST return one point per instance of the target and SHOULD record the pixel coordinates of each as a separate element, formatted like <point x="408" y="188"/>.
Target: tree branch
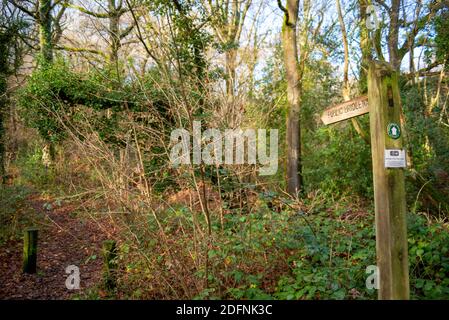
<point x="90" y="13"/>
<point x="283" y="9"/>
<point x="74" y="49"/>
<point x="23" y="9"/>
<point x="421" y="24"/>
<point x="139" y="34"/>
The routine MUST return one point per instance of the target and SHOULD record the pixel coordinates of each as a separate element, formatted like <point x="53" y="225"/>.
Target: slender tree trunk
<point x="365" y="48"/>
<point x="252" y="66"/>
<point x="114" y="33"/>
<point x="294" y="167"/>
<point x="45" y="34"/>
<point x="393" y="35"/>
<point x="2" y="129"/>
<point x="412" y="62"/>
<point x="231" y="65"/>
<point x="3" y="85"/>
<point x="346" y="92"/>
<point x="228" y="28"/>
<point x="346" y="87"/>
<point x="46" y="49"/>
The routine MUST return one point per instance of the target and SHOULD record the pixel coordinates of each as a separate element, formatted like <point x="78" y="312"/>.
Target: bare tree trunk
<point x="412" y="62"/>
<point x="294" y="167"/>
<point x="231" y="65"/>
<point x="2" y="132"/>
<point x="365" y="48"/>
<point x="252" y="66"/>
<point x="114" y="33"/>
<point x="393" y="35"/>
<point x="3" y="86"/>
<point x="228" y="29"/>
<point x="346" y="86"/>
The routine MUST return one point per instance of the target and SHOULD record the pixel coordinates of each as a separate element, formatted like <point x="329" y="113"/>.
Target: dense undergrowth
<point x="316" y="248"/>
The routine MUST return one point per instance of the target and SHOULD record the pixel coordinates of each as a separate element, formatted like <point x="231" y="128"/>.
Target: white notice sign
<point x="395" y="158"/>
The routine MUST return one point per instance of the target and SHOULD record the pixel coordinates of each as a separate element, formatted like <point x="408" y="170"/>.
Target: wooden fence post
<point x="30" y="250"/>
<point x="389" y="185"/>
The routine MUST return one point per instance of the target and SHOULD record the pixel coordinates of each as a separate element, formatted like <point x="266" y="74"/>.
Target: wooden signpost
<point x="349" y="109"/>
<point x="389" y="160"/>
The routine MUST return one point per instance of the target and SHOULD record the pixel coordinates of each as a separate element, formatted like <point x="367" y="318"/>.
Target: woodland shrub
<point x="327" y="257"/>
<point x="56" y="97"/>
<point x="14" y="212"/>
<point x="341" y="164"/>
<point x="267" y="254"/>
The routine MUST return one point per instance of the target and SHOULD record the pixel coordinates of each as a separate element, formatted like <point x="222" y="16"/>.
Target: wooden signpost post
<point x="30" y="250"/>
<point x="389" y="160"/>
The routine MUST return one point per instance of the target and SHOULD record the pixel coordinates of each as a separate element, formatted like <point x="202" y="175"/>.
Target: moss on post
<point x="109" y="264"/>
<point x="30" y="250"/>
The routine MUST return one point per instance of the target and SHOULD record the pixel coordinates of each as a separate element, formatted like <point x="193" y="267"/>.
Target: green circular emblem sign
<point x="394" y="131"/>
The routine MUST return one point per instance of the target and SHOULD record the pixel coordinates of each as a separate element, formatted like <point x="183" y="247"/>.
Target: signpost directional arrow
<point x="346" y="110"/>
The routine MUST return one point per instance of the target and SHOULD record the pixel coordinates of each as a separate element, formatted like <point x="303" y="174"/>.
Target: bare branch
<point x="74" y="49"/>
<point x="24" y="9"/>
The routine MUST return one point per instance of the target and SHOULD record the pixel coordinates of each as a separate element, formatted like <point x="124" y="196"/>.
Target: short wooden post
<point x="109" y="264"/>
<point x="30" y="250"/>
<point x="389" y="185"/>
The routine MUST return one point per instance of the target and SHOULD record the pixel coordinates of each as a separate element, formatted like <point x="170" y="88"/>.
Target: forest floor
<point x="64" y="239"/>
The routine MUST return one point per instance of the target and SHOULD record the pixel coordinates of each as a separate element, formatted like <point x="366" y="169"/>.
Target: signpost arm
<point x="389" y="185"/>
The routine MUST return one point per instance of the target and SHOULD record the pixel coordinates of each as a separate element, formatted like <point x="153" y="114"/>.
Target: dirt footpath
<point x="63" y="240"/>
